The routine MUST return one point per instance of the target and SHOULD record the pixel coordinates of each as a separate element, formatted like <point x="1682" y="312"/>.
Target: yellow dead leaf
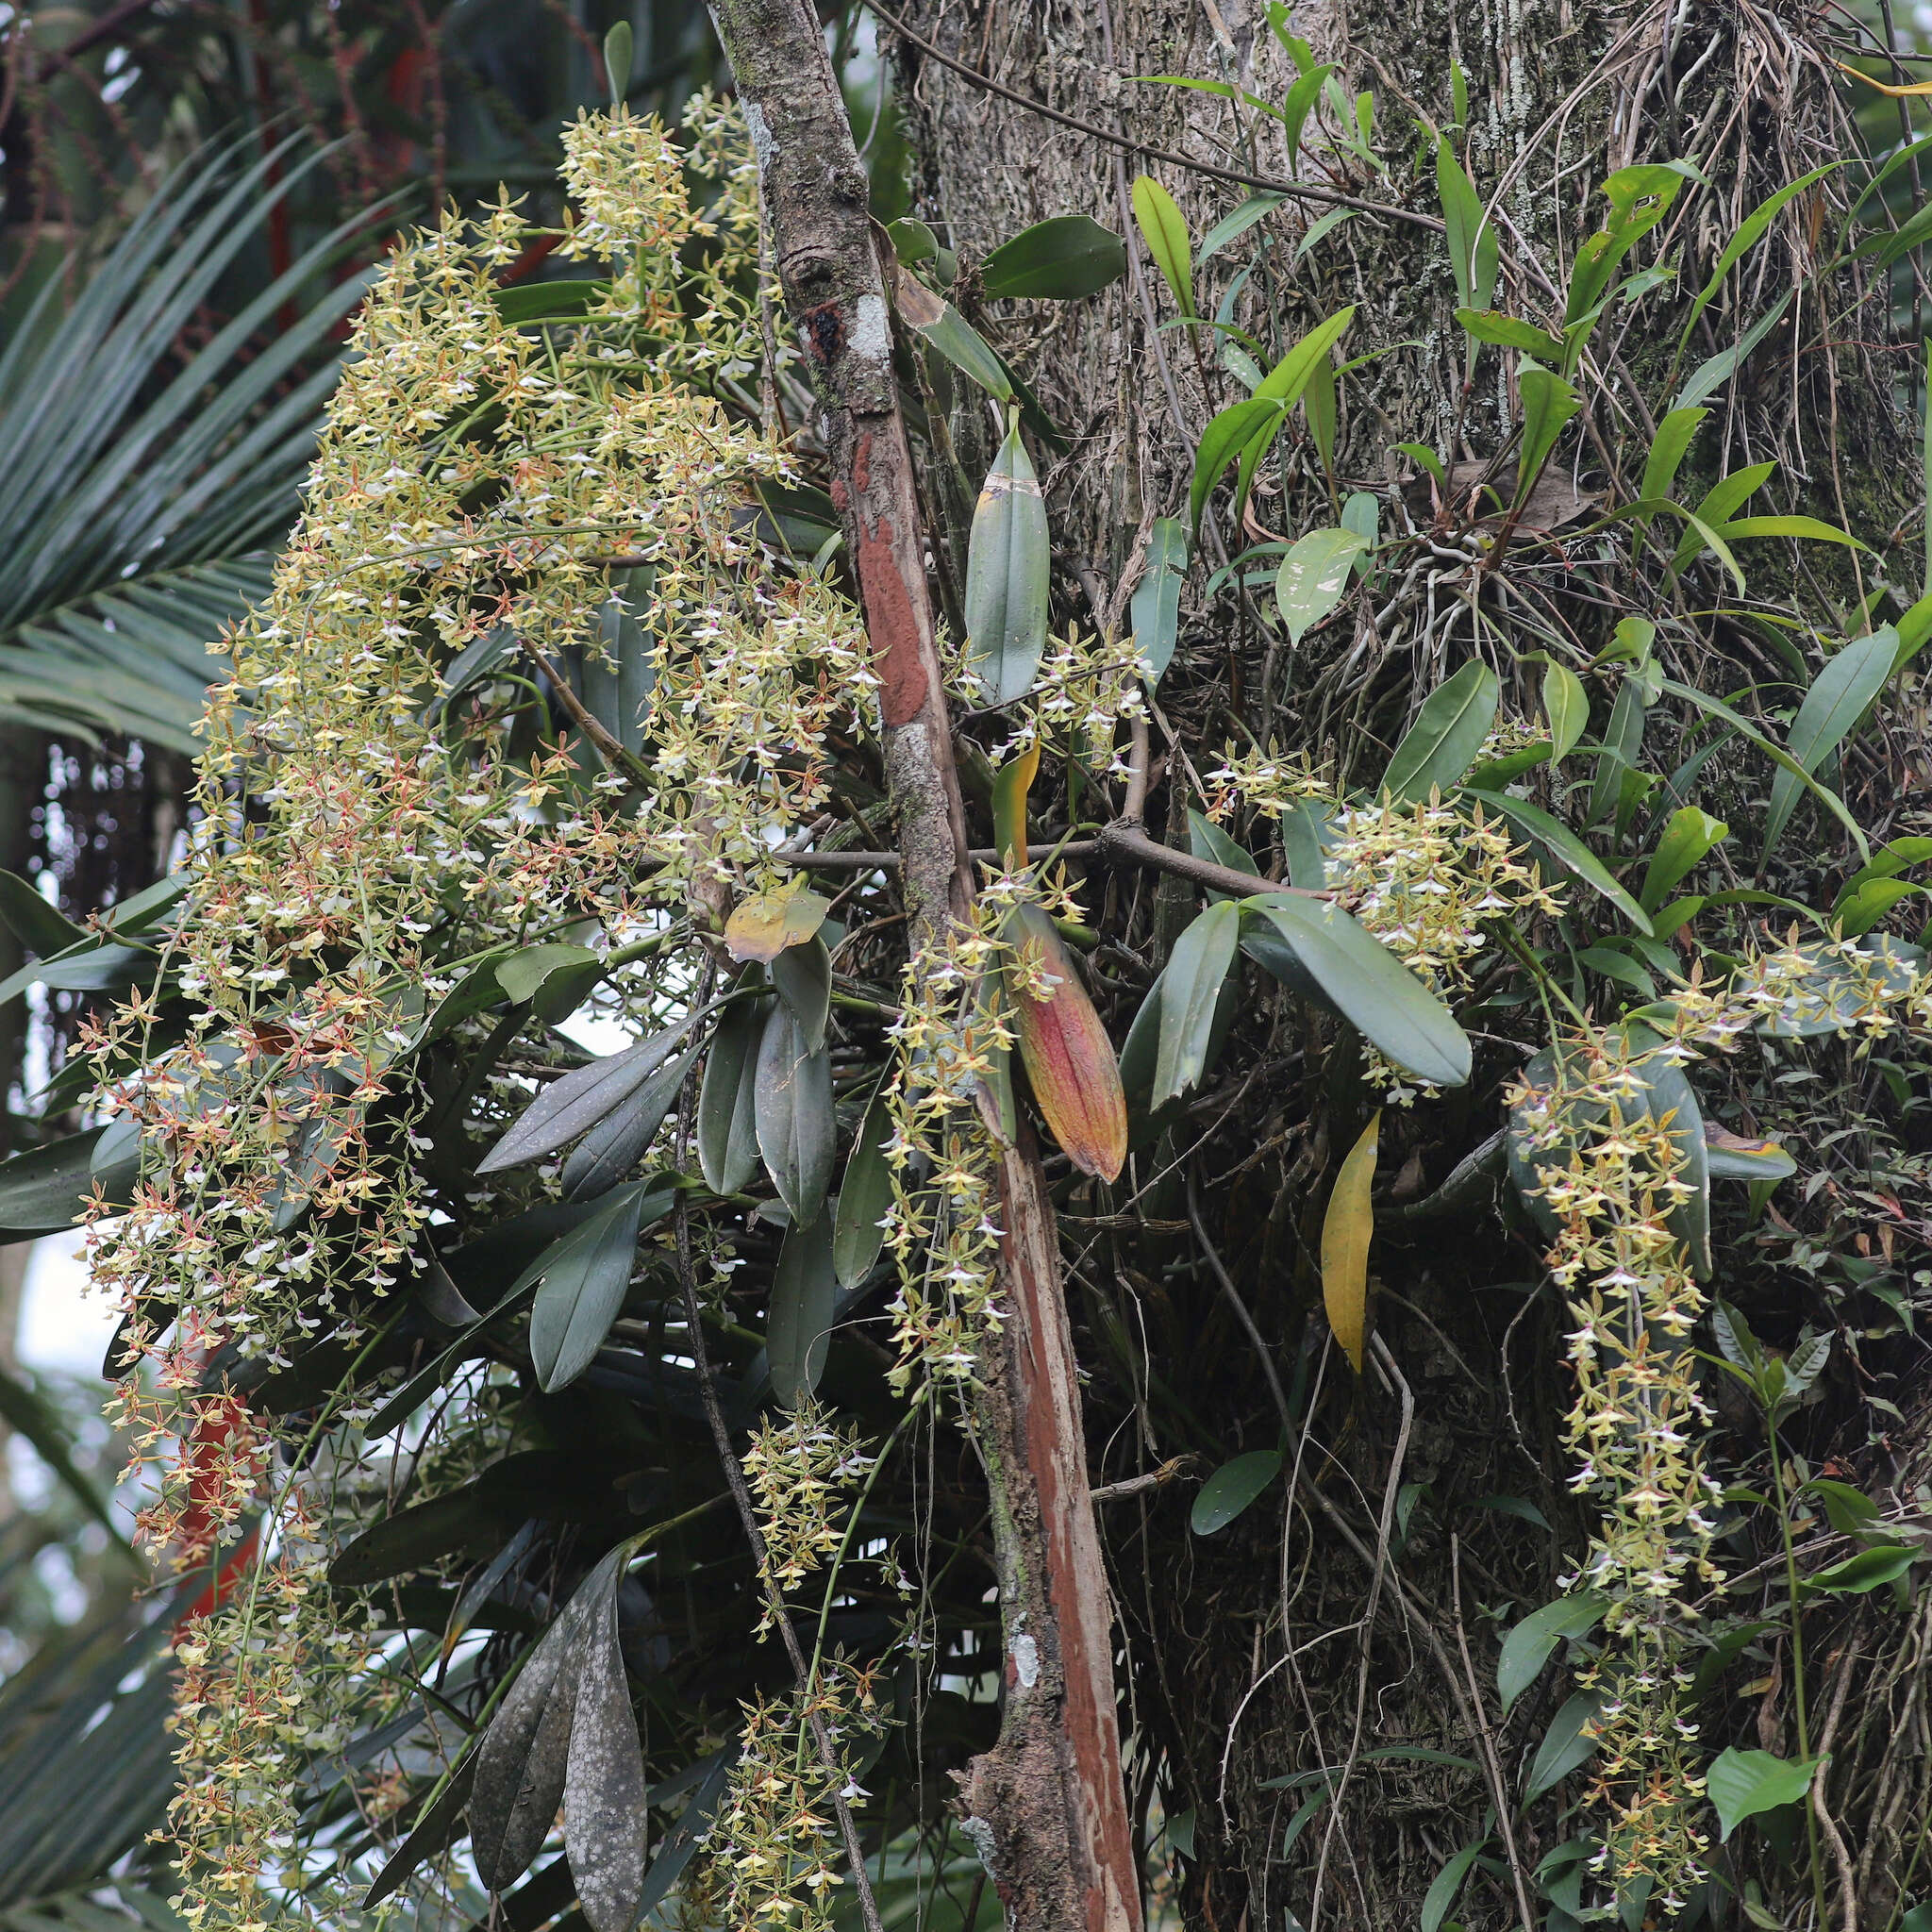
<point x="1897" y="93"/>
<point x="763" y="926"/>
<point x="1346" y="1229"/>
<point x="1010" y="784"/>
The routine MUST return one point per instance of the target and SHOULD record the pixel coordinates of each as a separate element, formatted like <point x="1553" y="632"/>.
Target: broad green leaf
<point x="1813" y="528"/>
<point x="1565" y="1746"/>
<point x="1722" y="501"/>
<point x="1300" y="104"/>
<point x="1740" y="1784"/>
<point x="1239" y="220"/>
<point x="1689" y="836"/>
<point x="1446" y="736"/>
<point x="1548" y="403"/>
<point x="1857" y="913"/>
<point x="1208" y="841"/>
<point x="1284" y="384"/>
<point x="1320" y="412"/>
<point x="804" y="1287"/>
<point x="574" y="1104"/>
<point x="1566" y="705"/>
<point x="1528" y="1645"/>
<point x="1855" y="1575"/>
<point x="1709" y="376"/>
<point x="944" y="330"/>
<point x="1851" y="1511"/>
<point x="1202" y="959"/>
<point x="1737" y="1158"/>
<point x="526" y="305"/>
<point x="608" y="1152"/>
<point x="1166" y="232"/>
<point x="1231" y="1489"/>
<point x="524" y="974"/>
<point x="1840" y="696"/>
<point x="1060" y="259"/>
<point x="1224" y="439"/>
<point x="865" y="1194"/>
<point x="802" y="978"/>
<point x="1370" y="988"/>
<point x="1519" y="1506"/>
<point x="1006" y="577"/>
<point x="35" y="922"/>
<point x="1667" y="448"/>
<point x="792" y="1102"/>
<point x="1361" y="512"/>
<point x="1639" y="198"/>
<point x="1891" y="857"/>
<point x="47" y="1188"/>
<point x="1447" y="1885"/>
<point x="619" y="51"/>
<point x="582" y="1289"/>
<point x="1156" y="609"/>
<point x="727" y="1136"/>
<point x="1313" y="578"/>
<point x="1509" y="332"/>
<point x="1347" y="1229"/>
<point x="913" y="242"/>
<point x="1472" y="251"/>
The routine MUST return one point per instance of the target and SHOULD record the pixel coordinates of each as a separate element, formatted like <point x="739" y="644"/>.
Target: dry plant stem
<point x="1381" y="1570"/>
<point x="1127" y="838"/>
<point x="1492" y="1768"/>
<point x="1051" y="1806"/>
<point x="740" y="1495"/>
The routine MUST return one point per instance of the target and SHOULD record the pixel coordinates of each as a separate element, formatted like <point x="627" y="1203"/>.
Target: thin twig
<point x="1381" y="1570"/>
<point x="1154" y="1479"/>
<point x="1486" y="1738"/>
<point x="1239" y="1306"/>
<point x="889" y="861"/>
<point x="1126" y="840"/>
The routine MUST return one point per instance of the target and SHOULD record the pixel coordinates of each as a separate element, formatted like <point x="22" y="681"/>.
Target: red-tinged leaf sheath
<point x="1069" y="1059"/>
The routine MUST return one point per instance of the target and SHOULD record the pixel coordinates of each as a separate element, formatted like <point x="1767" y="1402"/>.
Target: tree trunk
<point x="1255" y="1673"/>
<point x="1046" y="1807"/>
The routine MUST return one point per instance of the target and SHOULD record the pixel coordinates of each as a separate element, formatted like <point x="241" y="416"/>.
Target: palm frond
<point x="139" y="489"/>
<point x="85" y="1762"/>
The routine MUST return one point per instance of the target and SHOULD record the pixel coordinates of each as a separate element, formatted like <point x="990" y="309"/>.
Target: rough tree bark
<point x="1247" y="1651"/>
<point x="1046" y="1807"/>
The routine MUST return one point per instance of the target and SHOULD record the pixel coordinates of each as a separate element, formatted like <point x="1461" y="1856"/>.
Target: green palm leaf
<point x="140" y="492"/>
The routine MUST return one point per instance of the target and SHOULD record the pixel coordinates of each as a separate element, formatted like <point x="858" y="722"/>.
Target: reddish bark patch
<point x="891" y="625"/>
